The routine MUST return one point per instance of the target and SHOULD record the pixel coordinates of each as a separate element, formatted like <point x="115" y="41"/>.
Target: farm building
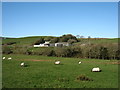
<point x="48" y="44"/>
<point x="60" y="44"/>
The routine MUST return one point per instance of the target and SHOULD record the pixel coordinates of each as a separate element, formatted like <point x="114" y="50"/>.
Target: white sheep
<point x="3" y="58"/>
<point x="22" y="64"/>
<point x="96" y="69"/>
<point x="57" y="62"/>
<point x="79" y="62"/>
<point x="9" y="58"/>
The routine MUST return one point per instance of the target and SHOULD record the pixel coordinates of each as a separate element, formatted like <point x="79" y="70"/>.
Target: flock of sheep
<point x="7" y="58"/>
<point x="22" y="64"/>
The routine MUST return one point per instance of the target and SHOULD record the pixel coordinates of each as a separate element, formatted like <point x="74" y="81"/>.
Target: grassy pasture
<point x="98" y="41"/>
<point x="44" y="74"/>
<point x="27" y="41"/>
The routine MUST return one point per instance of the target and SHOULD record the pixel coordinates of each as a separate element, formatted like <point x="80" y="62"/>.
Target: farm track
<point x="82" y="61"/>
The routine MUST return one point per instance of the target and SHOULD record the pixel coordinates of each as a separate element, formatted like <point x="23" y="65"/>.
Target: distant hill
<point x="28" y="41"/>
<point x="23" y="40"/>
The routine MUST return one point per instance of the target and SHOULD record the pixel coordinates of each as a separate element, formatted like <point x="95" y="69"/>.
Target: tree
<point x="89" y="39"/>
<point x="63" y="52"/>
<point x="41" y="40"/>
<point x="72" y="41"/>
<point x="103" y="53"/>
<point x="54" y="40"/>
<point x="47" y="38"/>
<point x="65" y="38"/>
<point x="77" y="36"/>
<point x="117" y="54"/>
<point x="7" y="50"/>
<point x="81" y="36"/>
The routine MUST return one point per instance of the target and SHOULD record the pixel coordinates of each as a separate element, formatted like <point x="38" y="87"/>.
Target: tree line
<point x="64" y="38"/>
<point x="95" y="51"/>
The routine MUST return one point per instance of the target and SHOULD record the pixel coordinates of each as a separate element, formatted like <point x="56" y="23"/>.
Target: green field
<point x="44" y="74"/>
<point x="28" y="41"/>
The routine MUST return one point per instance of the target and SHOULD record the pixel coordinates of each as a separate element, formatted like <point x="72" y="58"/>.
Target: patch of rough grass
<point x="83" y="78"/>
<point x="63" y="80"/>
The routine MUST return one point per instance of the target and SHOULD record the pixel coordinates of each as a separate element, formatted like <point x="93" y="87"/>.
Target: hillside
<point x="30" y="40"/>
<point x="24" y="41"/>
<point x="97" y="48"/>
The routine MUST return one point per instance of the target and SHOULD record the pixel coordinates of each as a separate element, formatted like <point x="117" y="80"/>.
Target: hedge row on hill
<point x="64" y="38"/>
<point x="109" y="51"/>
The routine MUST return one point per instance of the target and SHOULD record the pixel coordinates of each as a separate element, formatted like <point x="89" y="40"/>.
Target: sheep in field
<point x="3" y="58"/>
<point x="57" y="62"/>
<point x="22" y="64"/>
<point x="79" y="62"/>
<point x="96" y="69"/>
<point x="9" y="58"/>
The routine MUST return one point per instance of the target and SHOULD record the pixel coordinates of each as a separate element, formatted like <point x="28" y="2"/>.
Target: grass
<point x="44" y="74"/>
<point x="98" y="41"/>
<point x="28" y="41"/>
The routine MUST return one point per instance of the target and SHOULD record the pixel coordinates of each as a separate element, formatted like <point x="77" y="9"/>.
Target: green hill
<point x="28" y="41"/>
<point x="24" y="41"/>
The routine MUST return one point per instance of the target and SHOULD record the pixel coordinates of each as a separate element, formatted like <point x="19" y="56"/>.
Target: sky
<point x="95" y="19"/>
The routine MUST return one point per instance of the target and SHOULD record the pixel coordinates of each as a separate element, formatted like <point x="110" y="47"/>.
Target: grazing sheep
<point x="9" y="58"/>
<point x="96" y="69"/>
<point x="22" y="64"/>
<point x="3" y="58"/>
<point x="57" y="62"/>
<point x="79" y="62"/>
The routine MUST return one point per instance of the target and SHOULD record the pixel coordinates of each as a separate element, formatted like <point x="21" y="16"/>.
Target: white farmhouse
<point x="46" y="44"/>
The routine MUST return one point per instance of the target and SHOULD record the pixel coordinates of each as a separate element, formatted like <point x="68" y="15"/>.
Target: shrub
<point x="72" y="41"/>
<point x="103" y="53"/>
<point x="117" y="54"/>
<point x="76" y="51"/>
<point x="7" y="49"/>
<point x="62" y="52"/>
<point x="47" y="38"/>
<point x="83" y="78"/>
<point x="20" y="50"/>
<point x="54" y="40"/>
<point x="41" y="40"/>
<point x="65" y="38"/>
<point x="46" y="51"/>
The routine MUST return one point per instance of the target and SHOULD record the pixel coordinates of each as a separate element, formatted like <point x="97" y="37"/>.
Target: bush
<point x="83" y="78"/>
<point x="118" y="54"/>
<point x="47" y="38"/>
<point x="45" y="51"/>
<point x="103" y="53"/>
<point x="76" y="51"/>
<point x="62" y="52"/>
<point x="7" y="49"/>
<point x="65" y="38"/>
<point x="19" y="50"/>
<point x="41" y="40"/>
<point x="71" y="41"/>
<point x="54" y="40"/>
